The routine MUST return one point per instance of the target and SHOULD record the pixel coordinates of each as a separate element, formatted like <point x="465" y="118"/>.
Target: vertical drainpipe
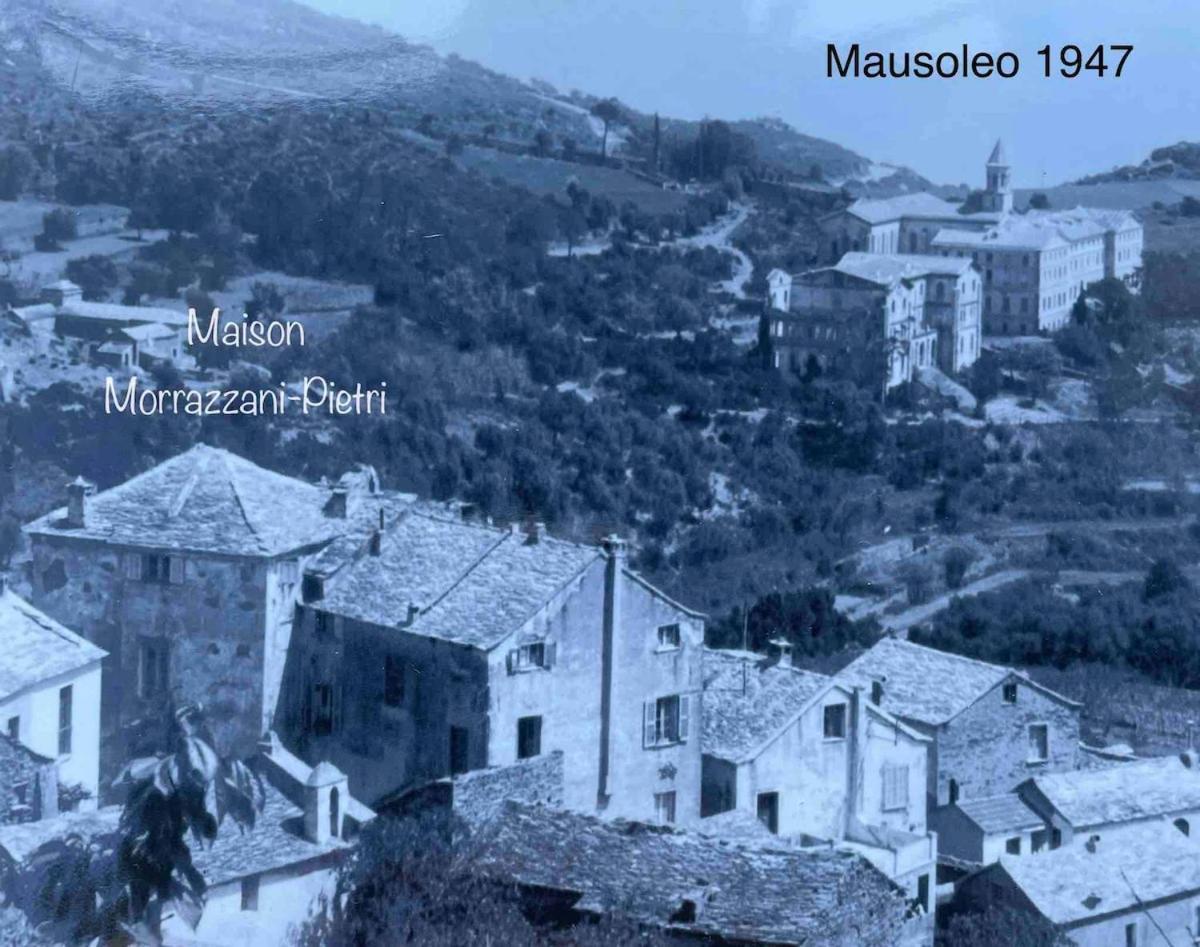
<point x="853" y="750"/>
<point x="615" y="552"/>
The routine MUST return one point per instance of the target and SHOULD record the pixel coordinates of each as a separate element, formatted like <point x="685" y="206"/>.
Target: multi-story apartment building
<point x="442" y="645"/>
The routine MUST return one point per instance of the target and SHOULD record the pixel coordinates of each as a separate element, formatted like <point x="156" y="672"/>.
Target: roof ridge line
<point x="466" y="572"/>
<point x="223" y="457"/>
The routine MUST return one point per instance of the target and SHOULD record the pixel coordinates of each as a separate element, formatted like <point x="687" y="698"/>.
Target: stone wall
<point x="28" y="784"/>
<point x="220" y="624"/>
<point x="986" y="749"/>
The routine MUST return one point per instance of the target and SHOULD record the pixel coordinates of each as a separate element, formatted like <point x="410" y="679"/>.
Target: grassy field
<point x="551" y="176"/>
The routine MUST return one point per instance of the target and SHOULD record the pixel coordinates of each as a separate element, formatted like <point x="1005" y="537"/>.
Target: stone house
<point x="50" y="681"/>
<point x="978" y="831"/>
<point x="1112" y="800"/>
<point x="188" y="575"/>
<point x="441" y="645"/>
<point x="811" y="759"/>
<point x="992" y="727"/>
<point x="1139" y="891"/>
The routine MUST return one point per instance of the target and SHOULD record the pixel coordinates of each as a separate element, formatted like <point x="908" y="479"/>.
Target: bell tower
<point x="997" y="197"/>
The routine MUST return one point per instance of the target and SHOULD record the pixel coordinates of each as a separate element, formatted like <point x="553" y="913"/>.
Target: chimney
<point x="615" y="546"/>
<point x="326" y="792"/>
<point x="78" y="492"/>
<point x="877" y="691"/>
<point x="536" y="533"/>
<point x="335" y="506"/>
<point x="375" y="545"/>
<point x="413" y="611"/>
<point x="614" y="607"/>
<point x="781" y="650"/>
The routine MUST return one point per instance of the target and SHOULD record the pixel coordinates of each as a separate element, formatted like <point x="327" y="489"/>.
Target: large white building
<point x="1034" y="265"/>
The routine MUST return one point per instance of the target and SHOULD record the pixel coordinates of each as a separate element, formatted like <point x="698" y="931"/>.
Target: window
<point x="877" y="692"/>
<point x="459" y="750"/>
<point x="1010" y="692"/>
<point x="664" y="808"/>
<point x="1056" y="838"/>
<point x="768" y="811"/>
<point x="250" y="893"/>
<point x="668" y="636"/>
<point x="325" y="625"/>
<point x="529" y="737"/>
<point x="895" y="788"/>
<point x="1131" y="935"/>
<point x="1038" y="840"/>
<point x="1039" y="743"/>
<point x="1012" y="846"/>
<point x="312" y="588"/>
<point x="923" y="892"/>
<point x="65" y="699"/>
<point x="532" y="656"/>
<point x="323" y="718"/>
<point x="952" y="791"/>
<point x="393" y="681"/>
<point x="153" y="666"/>
<point x="13" y="727"/>
<point x="665" y="720"/>
<point x="835" y="722"/>
<point x="164" y="570"/>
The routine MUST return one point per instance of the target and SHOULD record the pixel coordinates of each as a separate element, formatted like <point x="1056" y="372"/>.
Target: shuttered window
<point x="666" y="720"/>
<point x="895" y="787"/>
<point x="534" y="656"/>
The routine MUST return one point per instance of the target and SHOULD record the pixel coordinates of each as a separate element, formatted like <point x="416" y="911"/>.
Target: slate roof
<point x="889" y="269"/>
<point x="1123" y="792"/>
<point x="921" y="204"/>
<point x="996" y="814"/>
<point x="275" y="841"/>
<point x="921" y="683"/>
<point x="114" y="312"/>
<point x="757" y="894"/>
<point x="210" y="500"/>
<point x="35" y="647"/>
<point x="1071" y="885"/>
<point x="474" y="584"/>
<point x="748" y="701"/>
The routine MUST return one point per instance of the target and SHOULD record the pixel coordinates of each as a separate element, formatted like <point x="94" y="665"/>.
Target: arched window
<point x="1182" y="825"/>
<point x="335" y="821"/>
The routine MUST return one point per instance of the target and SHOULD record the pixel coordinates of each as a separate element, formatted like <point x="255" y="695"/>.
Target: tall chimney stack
<point x="78" y="492"/>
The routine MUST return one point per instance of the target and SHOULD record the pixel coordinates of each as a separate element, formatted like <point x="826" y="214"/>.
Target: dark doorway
<point x="459" y="750"/>
<point x="768" y="810"/>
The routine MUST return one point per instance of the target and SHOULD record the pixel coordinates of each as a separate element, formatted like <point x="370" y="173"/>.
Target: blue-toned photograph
<point x="547" y="473"/>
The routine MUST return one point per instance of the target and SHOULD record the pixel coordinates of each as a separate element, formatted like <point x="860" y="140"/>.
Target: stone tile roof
<point x="1032" y="231"/>
<point x="20" y="840"/>
<point x="921" y="683"/>
<point x="36" y="647"/>
<point x="1123" y="792"/>
<point x="748" y="700"/>
<point x="743" y="893"/>
<point x="473" y="584"/>
<point x="921" y="204"/>
<point x="1003" y="813"/>
<point x="114" y="312"/>
<point x="275" y="841"/>
<point x="889" y="269"/>
<point x="210" y="500"/>
<point x="1071" y="885"/>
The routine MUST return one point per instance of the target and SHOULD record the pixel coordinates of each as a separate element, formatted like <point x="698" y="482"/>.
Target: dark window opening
<point x="1010" y="692"/>
<point x="835" y="722"/>
<point x="459" y="747"/>
<point x="66" y="697"/>
<point x="529" y="737"/>
<point x="250" y="893"/>
<point x="768" y="811"/>
<point x="393" y="681"/>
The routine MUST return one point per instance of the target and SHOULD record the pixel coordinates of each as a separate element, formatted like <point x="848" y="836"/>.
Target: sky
<point x="749" y="58"/>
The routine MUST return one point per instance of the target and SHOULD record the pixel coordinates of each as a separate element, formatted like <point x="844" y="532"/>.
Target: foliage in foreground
<point x="416" y="881"/>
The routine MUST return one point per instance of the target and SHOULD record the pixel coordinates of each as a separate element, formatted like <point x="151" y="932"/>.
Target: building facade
<point x="444" y="645"/>
<point x="50" y="681"/>
<point x="188" y="576"/>
<point x="991" y="726"/>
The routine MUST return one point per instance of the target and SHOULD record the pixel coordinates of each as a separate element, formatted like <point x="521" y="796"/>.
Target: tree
<point x="95" y="274"/>
<point x="17" y="168"/>
<point x="266" y="302"/>
<point x="543" y="141"/>
<point x="416" y="880"/>
<point x="1000" y="927"/>
<point x="1163" y="578"/>
<point x="57" y="225"/>
<point x="608" y="111"/>
<point x="1039" y="201"/>
<point x="117" y="888"/>
<point x="956" y="563"/>
<point x="454" y="145"/>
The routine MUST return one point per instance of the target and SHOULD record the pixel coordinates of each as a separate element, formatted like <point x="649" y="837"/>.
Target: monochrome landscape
<point x="438" y="507"/>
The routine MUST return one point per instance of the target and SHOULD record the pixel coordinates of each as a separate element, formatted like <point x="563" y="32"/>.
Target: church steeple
<point x="998" y="195"/>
